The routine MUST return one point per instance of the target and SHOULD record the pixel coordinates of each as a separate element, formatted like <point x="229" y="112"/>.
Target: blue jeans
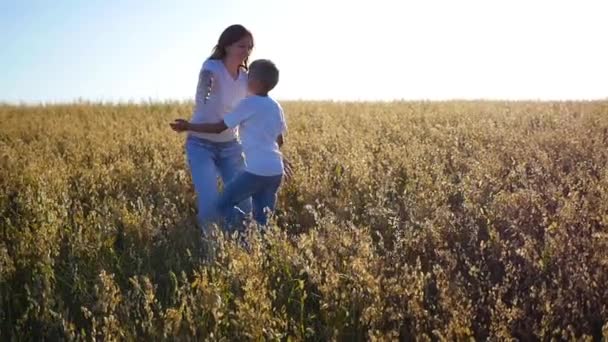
<point x="262" y="190"/>
<point x="208" y="159"/>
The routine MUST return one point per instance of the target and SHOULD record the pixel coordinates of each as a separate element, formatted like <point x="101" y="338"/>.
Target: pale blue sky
<point x="115" y="50"/>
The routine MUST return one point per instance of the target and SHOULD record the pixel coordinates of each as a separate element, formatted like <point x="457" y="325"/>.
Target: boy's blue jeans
<point x="208" y="159"/>
<point x="262" y="190"/>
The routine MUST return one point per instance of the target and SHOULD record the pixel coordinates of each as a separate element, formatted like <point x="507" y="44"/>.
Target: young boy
<point x="261" y="126"/>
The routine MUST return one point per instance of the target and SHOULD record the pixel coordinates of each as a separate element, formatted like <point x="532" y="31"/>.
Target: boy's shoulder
<point x="265" y="100"/>
<point x="262" y="104"/>
<point x="251" y="102"/>
<point x="272" y="102"/>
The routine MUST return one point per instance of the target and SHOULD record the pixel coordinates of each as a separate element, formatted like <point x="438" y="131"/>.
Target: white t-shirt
<point x="260" y="120"/>
<point x="225" y="94"/>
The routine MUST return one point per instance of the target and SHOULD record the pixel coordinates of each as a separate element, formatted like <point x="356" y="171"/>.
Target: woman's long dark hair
<point x="231" y="35"/>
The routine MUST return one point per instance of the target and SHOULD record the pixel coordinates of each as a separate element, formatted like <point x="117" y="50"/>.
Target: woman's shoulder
<point x="211" y="64"/>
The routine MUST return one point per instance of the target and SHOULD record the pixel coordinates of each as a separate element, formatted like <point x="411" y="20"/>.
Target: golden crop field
<point x="405" y="220"/>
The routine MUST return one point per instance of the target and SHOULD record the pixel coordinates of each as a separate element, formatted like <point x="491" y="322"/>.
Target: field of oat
<point x="404" y="220"/>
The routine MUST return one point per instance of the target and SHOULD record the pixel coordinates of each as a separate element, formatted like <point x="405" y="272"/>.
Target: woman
<point x="221" y="85"/>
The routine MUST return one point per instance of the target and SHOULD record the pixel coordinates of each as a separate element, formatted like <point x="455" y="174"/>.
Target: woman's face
<point x="241" y="49"/>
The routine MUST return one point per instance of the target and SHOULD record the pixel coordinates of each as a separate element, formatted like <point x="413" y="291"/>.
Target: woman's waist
<point x="211" y="112"/>
<point x="227" y="136"/>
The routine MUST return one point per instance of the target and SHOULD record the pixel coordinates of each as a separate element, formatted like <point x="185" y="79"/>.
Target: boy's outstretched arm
<point x="181" y="125"/>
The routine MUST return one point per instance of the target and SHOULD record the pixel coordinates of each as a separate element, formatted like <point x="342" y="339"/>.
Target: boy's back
<point x="260" y="120"/>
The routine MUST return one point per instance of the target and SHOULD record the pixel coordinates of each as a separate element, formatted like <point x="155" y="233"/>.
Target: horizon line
<point x="151" y="100"/>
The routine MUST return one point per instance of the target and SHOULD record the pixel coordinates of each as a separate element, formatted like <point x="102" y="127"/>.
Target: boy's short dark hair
<point x="265" y="71"/>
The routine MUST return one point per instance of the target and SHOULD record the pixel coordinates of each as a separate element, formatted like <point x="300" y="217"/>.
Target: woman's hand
<point x="180" y="125"/>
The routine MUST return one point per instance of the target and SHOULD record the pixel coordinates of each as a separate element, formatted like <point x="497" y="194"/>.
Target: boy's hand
<point x="180" y="125"/>
<point x="287" y="169"/>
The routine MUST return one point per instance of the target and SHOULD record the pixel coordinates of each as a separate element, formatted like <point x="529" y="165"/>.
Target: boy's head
<point x="263" y="76"/>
